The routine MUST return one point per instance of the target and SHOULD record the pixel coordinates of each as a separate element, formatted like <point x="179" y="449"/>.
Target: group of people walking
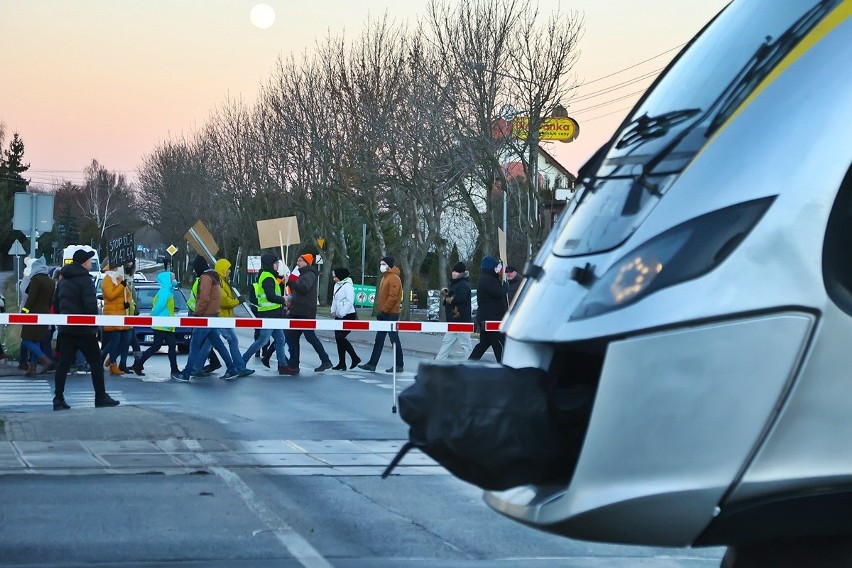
<point x="494" y="293"/>
<point x="275" y="294"/>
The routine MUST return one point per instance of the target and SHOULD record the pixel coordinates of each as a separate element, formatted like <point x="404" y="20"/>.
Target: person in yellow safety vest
<point x="269" y="302"/>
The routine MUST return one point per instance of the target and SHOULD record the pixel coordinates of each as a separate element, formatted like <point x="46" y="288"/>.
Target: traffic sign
<point x="17" y="249"/>
<point x="171" y="250"/>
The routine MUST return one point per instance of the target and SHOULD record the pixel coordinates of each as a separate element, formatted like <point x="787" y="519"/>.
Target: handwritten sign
<point x="122" y="250"/>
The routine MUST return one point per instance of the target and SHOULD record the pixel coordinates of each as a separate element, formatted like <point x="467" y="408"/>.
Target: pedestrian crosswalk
<point x="39" y="392"/>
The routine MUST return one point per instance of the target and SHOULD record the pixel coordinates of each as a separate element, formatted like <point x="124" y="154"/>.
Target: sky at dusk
<point x="109" y="80"/>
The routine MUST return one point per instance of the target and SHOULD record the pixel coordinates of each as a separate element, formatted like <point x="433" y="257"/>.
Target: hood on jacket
<point x="267" y="262"/>
<point x="164" y="279"/>
<point x="222" y="267"/>
<point x="393" y="270"/>
<point x="39" y="266"/>
<point x="199" y="265"/>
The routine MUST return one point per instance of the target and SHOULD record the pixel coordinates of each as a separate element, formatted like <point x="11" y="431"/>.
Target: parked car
<point x="145" y="292"/>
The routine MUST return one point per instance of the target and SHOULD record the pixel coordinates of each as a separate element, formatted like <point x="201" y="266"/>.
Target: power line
<point x="632" y="66"/>
<point x="585" y="120"/>
<point x="627" y="96"/>
<point x="616" y="86"/>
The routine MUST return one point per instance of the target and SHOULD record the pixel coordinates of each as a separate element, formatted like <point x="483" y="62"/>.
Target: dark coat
<point x="304" y="302"/>
<point x="457" y="302"/>
<point x="39" y="300"/>
<point x="76" y="295"/>
<point x="491" y="297"/>
<point x="513" y="286"/>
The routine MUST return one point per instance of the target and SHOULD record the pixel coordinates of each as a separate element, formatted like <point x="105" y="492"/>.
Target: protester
<point x="492" y="299"/>
<point x="513" y="279"/>
<point x="2" y="310"/>
<point x="303" y="305"/>
<point x="269" y="303"/>
<point x="133" y="310"/>
<point x="164" y="306"/>
<point x="206" y="305"/>
<point x="39" y="299"/>
<point x="388" y="304"/>
<point x="457" y="310"/>
<point x="117" y="302"/>
<point x="23" y="352"/>
<point x="343" y="308"/>
<point x="227" y="302"/>
<point x="76" y="295"/>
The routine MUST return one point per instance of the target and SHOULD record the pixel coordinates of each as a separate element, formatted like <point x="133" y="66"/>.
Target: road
<point x="263" y="471"/>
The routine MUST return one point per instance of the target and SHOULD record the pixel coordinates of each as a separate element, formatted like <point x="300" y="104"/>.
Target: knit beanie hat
<point x="488" y="263"/>
<point x="388" y="260"/>
<point x="460" y="268"/>
<point x="307" y="257"/>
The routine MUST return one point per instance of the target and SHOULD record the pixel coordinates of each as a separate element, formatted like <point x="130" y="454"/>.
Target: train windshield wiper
<point x="646" y="127"/>
<point x="764" y="60"/>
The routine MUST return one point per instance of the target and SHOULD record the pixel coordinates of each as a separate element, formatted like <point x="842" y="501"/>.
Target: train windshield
<point x="697" y="94"/>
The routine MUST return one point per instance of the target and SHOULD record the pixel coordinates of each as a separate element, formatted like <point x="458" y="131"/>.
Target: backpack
<point x="494" y="426"/>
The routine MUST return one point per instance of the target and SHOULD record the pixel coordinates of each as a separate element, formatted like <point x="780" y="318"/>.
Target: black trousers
<point x="162" y="338"/>
<point x="492" y="339"/>
<point x="88" y="346"/>
<point x="344" y="346"/>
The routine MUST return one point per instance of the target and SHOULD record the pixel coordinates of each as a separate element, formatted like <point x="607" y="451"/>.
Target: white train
<point x="701" y="283"/>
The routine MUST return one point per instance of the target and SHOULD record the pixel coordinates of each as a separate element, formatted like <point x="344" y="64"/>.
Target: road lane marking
<point x="295" y="544"/>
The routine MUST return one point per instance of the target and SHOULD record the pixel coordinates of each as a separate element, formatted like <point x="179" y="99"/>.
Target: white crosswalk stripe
<point x="39" y="392"/>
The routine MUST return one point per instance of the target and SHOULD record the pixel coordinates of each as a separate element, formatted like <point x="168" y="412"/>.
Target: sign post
<point x="17" y="251"/>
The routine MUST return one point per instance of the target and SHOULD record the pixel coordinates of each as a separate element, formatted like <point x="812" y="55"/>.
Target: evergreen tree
<point x="11" y="167"/>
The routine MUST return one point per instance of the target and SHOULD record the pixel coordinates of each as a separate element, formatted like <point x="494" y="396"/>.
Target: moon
<point x="262" y="16"/>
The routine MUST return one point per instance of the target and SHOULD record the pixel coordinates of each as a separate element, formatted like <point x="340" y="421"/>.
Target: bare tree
<point x="106" y="200"/>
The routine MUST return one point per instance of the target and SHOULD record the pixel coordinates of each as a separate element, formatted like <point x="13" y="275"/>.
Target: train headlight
<point x="681" y="253"/>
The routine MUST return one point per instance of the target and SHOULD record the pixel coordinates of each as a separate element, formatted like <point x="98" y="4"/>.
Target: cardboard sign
<point x="200" y="239"/>
<point x="501" y="246"/>
<point x="280" y="232"/>
<point x="121" y="250"/>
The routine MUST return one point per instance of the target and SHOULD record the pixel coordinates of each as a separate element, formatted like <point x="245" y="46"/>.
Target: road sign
<point x="33" y="212"/>
<point x="172" y="250"/>
<point x="17" y="249"/>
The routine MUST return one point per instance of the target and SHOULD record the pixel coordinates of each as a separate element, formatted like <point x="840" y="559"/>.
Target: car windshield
<point x="145" y="298"/>
<point x="700" y="91"/>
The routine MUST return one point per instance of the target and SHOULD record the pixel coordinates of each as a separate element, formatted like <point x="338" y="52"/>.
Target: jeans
<point x="263" y="336"/>
<point x="380" y="341"/>
<point x="116" y="344"/>
<point x="34" y="349"/>
<point x="196" y="351"/>
<point x="229" y="334"/>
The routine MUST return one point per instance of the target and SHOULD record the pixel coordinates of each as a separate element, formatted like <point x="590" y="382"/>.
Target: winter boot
<point x="46" y="364"/>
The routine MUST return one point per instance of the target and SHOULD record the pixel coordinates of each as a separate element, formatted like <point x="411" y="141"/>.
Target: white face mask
<point x="383" y="268"/>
